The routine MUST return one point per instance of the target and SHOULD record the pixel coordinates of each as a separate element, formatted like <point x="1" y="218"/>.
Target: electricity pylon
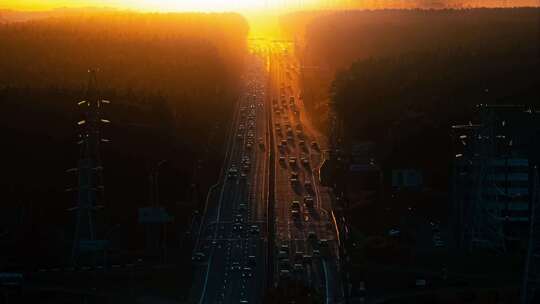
<point x="90" y="173"/>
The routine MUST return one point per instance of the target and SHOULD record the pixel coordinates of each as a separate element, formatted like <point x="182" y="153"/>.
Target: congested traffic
<point x="231" y="249"/>
<point x="306" y="248"/>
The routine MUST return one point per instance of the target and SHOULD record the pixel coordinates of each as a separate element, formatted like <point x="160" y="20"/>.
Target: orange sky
<point x="165" y="5"/>
<point x="248" y="5"/>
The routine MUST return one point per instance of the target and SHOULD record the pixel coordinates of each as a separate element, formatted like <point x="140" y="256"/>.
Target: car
<point x="246" y="273"/>
<point x="316" y="252"/>
<point x="314" y="145"/>
<point x="292" y="161"/>
<point x="284" y="274"/>
<point x="238" y="218"/>
<point x="302" y="143"/>
<point x="420" y="283"/>
<point x="232" y="173"/>
<point x="198" y="257"/>
<point x="308" y="201"/>
<point x="254" y="229"/>
<point x="284" y="264"/>
<point x="242" y="207"/>
<point x="439" y="244"/>
<point x="394" y="232"/>
<point x="306" y="258"/>
<point x="238" y="227"/>
<point x="298" y="267"/>
<point x="294" y="177"/>
<point x="285" y="247"/>
<point x="235" y="266"/>
<point x="289" y="131"/>
<point x="252" y="261"/>
<point x="295" y="214"/>
<point x="295" y="205"/>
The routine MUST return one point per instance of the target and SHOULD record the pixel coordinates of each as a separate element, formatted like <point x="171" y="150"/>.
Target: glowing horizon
<point x="167" y="5"/>
<point x="246" y="6"/>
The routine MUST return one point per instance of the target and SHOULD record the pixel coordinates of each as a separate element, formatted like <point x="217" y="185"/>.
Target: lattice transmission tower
<point x="477" y="192"/>
<point x="90" y="189"/>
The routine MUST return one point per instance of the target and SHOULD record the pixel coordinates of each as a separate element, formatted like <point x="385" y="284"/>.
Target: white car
<point x="394" y="232"/>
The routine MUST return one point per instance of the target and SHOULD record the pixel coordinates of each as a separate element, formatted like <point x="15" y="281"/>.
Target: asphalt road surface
<point x="231" y="250"/>
<point x="230" y="255"/>
<point x="306" y="240"/>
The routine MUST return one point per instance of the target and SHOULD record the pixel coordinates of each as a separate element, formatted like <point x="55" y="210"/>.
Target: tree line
<point x="172" y="80"/>
<point x="400" y="78"/>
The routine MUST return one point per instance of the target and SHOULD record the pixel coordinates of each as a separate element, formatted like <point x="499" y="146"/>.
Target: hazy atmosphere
<point x="355" y="151"/>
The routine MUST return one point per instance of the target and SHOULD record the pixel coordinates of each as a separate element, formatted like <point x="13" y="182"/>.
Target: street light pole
<point x="157" y="204"/>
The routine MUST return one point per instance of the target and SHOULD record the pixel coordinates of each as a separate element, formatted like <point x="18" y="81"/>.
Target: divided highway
<point x="232" y="249"/>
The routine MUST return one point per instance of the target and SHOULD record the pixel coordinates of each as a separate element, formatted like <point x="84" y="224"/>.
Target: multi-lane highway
<point x="232" y="251"/>
<point x="306" y="241"/>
